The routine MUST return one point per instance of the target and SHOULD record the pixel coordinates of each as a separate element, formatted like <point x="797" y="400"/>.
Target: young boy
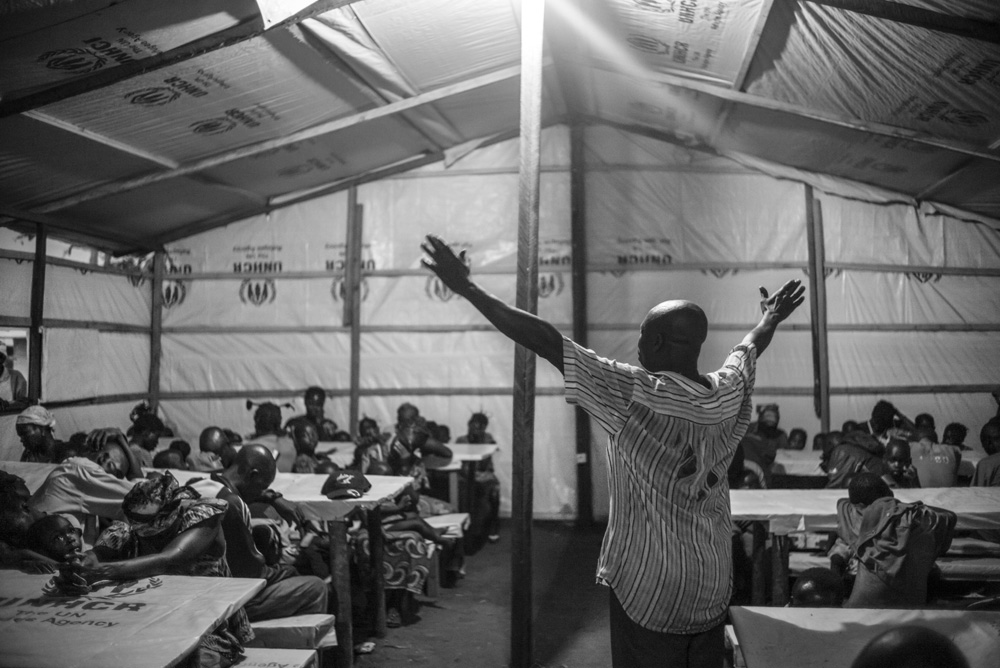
<point x="901" y="474"/>
<point x="305" y="436"/>
<point x="55" y="537"/>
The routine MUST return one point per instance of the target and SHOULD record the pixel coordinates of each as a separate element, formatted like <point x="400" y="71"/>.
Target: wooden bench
<point x="268" y="657"/>
<point x="953" y="568"/>
<point x="309" y="632"/>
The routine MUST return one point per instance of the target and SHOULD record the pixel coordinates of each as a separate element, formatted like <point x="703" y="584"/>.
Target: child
<point x="305" y="436"/>
<point x="55" y="537"/>
<point x="901" y="474"/>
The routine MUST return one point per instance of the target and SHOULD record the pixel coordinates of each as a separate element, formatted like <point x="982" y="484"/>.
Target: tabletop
<point x="833" y="637"/>
<point x="791" y="510"/>
<point x="147" y="623"/>
<point x="466" y="452"/>
<point x="806" y="463"/>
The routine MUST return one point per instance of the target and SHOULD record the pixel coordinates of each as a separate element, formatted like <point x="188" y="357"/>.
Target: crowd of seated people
<point x="111" y="508"/>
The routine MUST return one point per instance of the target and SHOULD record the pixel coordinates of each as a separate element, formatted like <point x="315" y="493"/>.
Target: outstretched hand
<point x="449" y="267"/>
<point x="783" y="302"/>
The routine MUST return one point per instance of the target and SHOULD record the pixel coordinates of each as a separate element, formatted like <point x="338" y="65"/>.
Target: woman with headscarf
<point x="169" y="529"/>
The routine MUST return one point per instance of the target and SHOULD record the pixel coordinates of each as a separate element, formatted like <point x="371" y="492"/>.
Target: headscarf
<point x="162" y="501"/>
<point x="37" y="415"/>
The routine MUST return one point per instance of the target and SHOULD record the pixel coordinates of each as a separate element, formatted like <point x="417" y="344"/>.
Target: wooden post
<point x="37" y="315"/>
<point x="521" y="639"/>
<point x="156" y="331"/>
<point x="578" y="235"/>
<point x="340" y="573"/>
<point x="376" y="544"/>
<point x="758" y="564"/>
<point x="352" y="299"/>
<point x="780" y="546"/>
<point x="817" y="308"/>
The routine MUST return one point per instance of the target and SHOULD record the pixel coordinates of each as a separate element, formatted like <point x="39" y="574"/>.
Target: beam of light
<point x="696" y="119"/>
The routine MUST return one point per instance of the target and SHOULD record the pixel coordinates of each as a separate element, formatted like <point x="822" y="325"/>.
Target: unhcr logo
<point x="76" y="61"/>
<point x="213" y="126"/>
<point x="156" y="96"/>
<point x="258" y="291"/>
<point x="174" y="293"/>
<point x="339" y="289"/>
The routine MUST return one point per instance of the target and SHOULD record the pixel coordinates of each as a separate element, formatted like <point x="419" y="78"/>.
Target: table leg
<point x="376" y="543"/>
<point x="779" y="569"/>
<point x="453" y="489"/>
<point x="340" y="569"/>
<point x="758" y="591"/>
<point x="470" y="487"/>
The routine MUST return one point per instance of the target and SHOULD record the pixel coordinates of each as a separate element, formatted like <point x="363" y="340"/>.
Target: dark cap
<point x="346" y="485"/>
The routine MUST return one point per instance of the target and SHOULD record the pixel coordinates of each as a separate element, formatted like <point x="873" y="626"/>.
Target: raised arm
<point x="776" y="308"/>
<point x="176" y="556"/>
<point x="520" y="326"/>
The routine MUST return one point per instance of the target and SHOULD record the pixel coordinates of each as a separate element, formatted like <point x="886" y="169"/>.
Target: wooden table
<point x="783" y="511"/>
<point x="304" y="489"/>
<point x="805" y="463"/>
<point x="147" y="623"/>
<point x="465" y="456"/>
<point x="833" y="637"/>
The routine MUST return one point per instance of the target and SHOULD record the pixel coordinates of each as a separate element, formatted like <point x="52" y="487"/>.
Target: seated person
<point x="169" y="530"/>
<point x="925" y="422"/>
<point x="901" y="473"/>
<point x="182" y="447"/>
<point x="763" y="438"/>
<point x="910" y="647"/>
<point x="895" y="544"/>
<point x="210" y="443"/>
<point x="405" y="453"/>
<point x="850" y="454"/>
<point x="269" y="432"/>
<point x="954" y="434"/>
<point x="55" y="537"/>
<point x="936" y="464"/>
<point x="169" y="459"/>
<point x="797" y="439"/>
<point x="13" y="386"/>
<point x="373" y="446"/>
<point x="246" y="482"/>
<point x="95" y="485"/>
<point x="817" y="588"/>
<point x="35" y="427"/>
<point x="17" y="515"/>
<point x="849" y="426"/>
<point x="819" y="442"/>
<point x="315" y="397"/>
<point x="305" y="437"/>
<point x="988" y="468"/>
<point x="485" y="513"/>
<point x="146" y="432"/>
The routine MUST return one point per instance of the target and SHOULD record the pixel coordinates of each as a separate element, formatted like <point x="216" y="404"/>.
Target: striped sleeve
<point x="600" y="386"/>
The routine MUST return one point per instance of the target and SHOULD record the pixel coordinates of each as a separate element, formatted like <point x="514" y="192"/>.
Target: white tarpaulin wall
<point x="256" y="308"/>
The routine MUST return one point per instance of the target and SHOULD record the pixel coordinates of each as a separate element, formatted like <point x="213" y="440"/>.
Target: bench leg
<point x="340" y="569"/>
<point x="376" y="542"/>
<point x="779" y="569"/>
<point x="470" y="487"/>
<point x="758" y="591"/>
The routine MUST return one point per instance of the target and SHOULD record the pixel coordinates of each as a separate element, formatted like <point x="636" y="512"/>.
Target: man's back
<point x="669" y="447"/>
<point x="936" y="464"/>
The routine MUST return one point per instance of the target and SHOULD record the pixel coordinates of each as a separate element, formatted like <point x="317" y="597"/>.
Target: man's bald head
<point x="671" y="336"/>
<point x="252" y="471"/>
<point x="212" y="439"/>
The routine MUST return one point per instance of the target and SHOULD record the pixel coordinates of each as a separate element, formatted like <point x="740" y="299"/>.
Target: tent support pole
<point x="532" y="30"/>
<point x="578" y="235"/>
<point x="156" y="331"/>
<point x="37" y="311"/>
<point x="922" y="18"/>
<point x="352" y="299"/>
<point x="817" y="308"/>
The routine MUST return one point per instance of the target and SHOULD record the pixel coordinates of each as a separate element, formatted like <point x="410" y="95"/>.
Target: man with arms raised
<point x="667" y="554"/>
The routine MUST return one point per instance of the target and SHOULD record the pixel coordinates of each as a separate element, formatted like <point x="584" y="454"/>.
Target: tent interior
<point x="228" y="199"/>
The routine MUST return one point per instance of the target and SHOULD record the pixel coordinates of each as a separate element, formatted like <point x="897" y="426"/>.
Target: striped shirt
<point x="667" y="552"/>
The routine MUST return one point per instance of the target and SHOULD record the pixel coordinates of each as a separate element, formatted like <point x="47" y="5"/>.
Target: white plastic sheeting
<point x="82" y="363"/>
<point x="15" y="297"/>
<point x="76" y="294"/>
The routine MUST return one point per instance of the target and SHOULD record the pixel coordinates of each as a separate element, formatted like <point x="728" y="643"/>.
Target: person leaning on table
<point x="667" y="554"/>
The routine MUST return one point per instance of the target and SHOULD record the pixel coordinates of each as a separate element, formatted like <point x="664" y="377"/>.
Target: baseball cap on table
<point x="346" y="485"/>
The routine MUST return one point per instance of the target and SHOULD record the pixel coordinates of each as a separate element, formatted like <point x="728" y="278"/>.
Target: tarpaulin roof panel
<point x="824" y="58"/>
<point x="39" y="162"/>
<point x="122" y="32"/>
<point x="159" y="208"/>
<point x="320" y="160"/>
<point x="892" y="101"/>
<point x="256" y="90"/>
